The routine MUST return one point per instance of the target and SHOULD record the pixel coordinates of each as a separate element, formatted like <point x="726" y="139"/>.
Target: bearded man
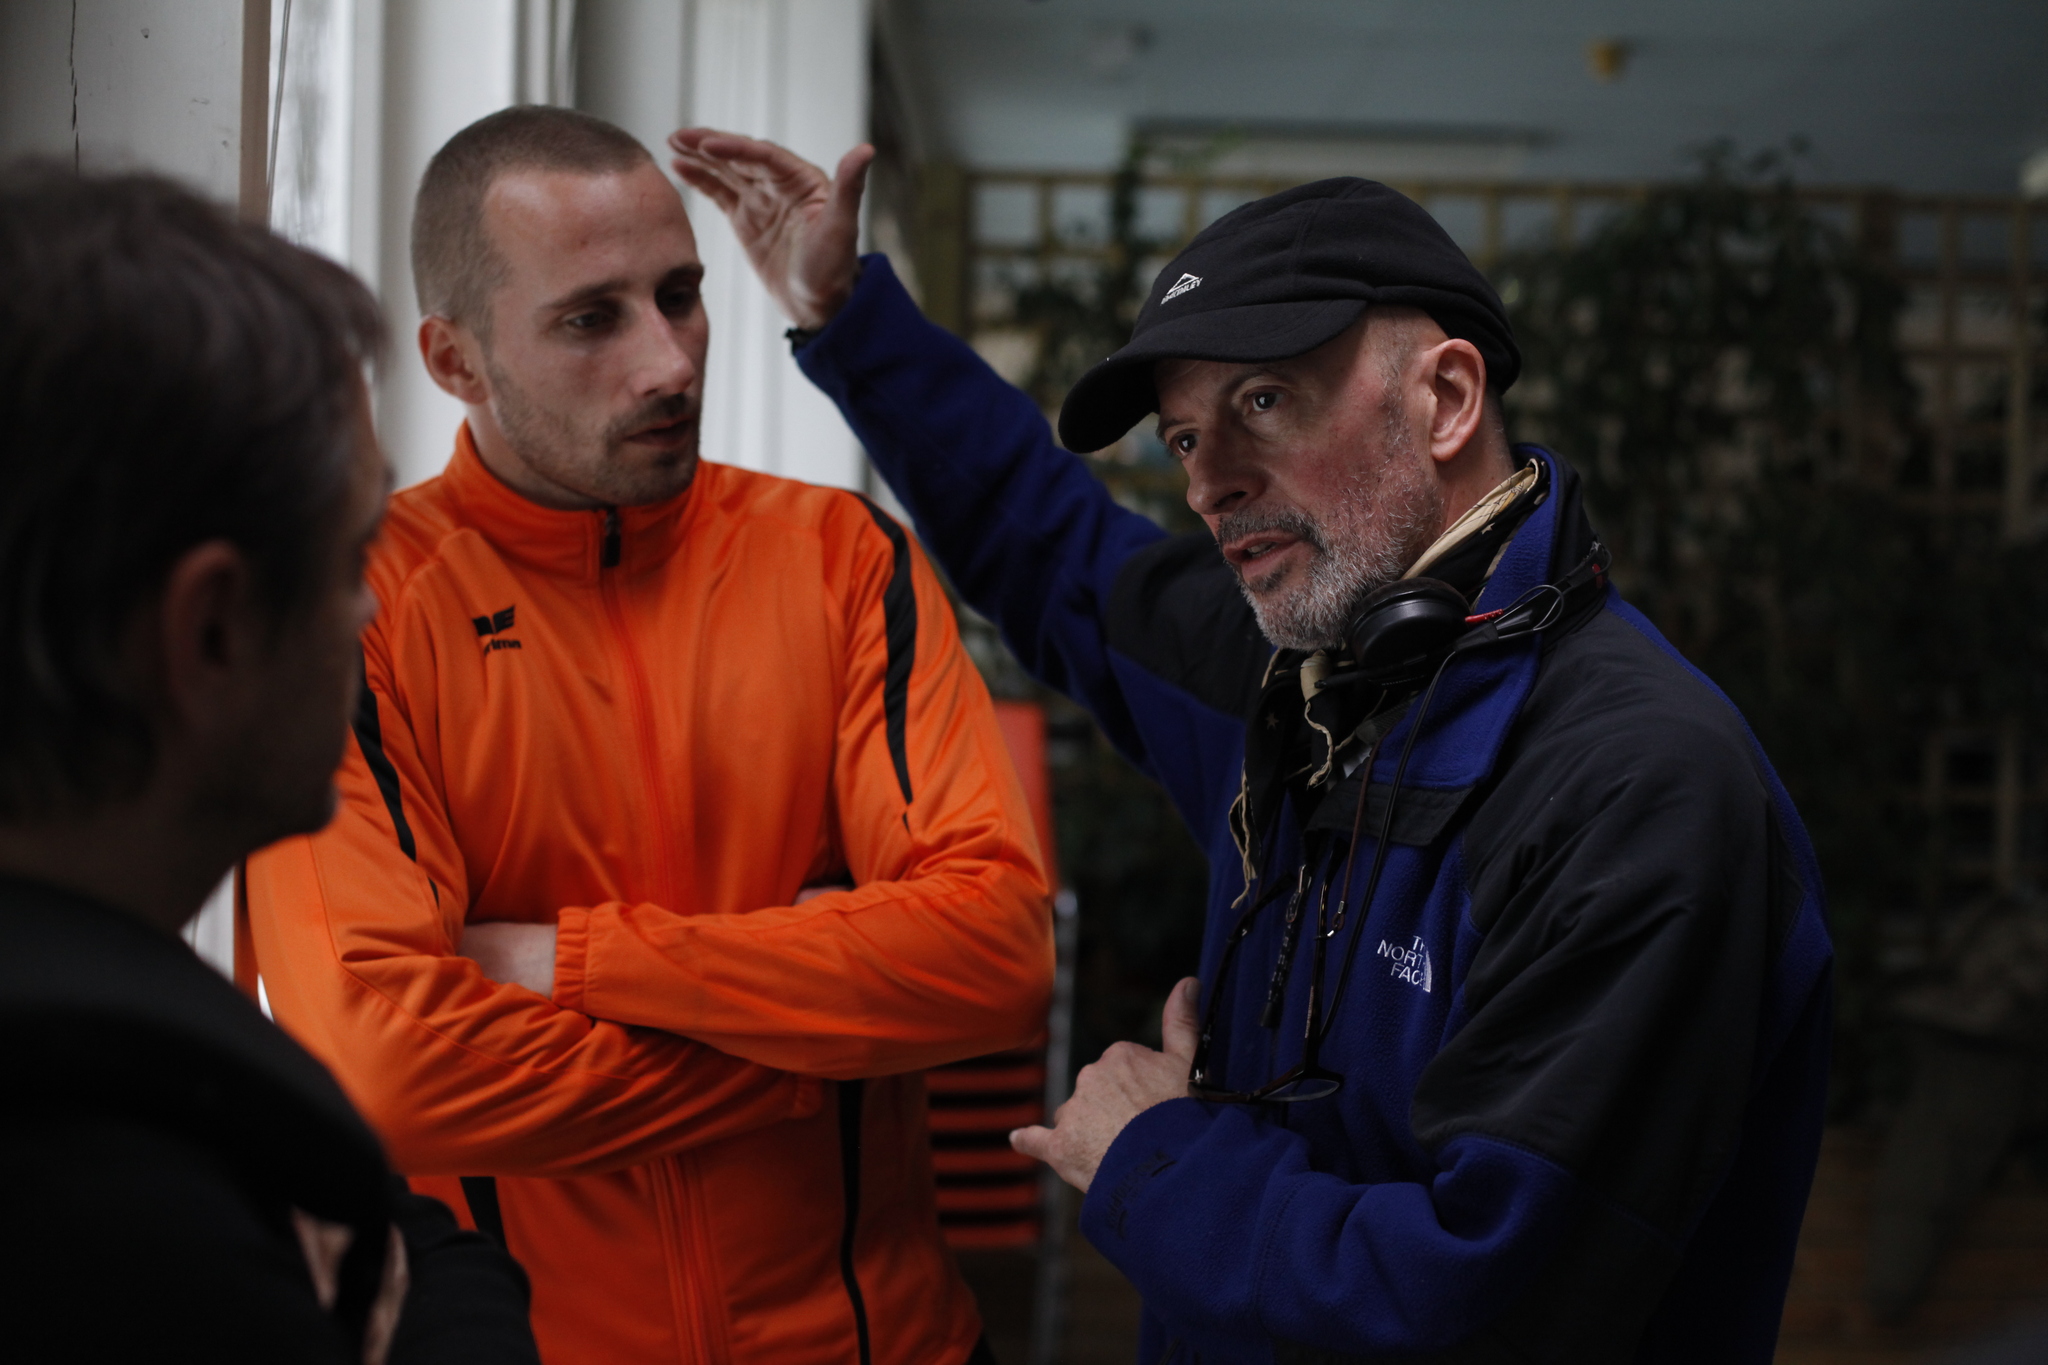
<point x="623" y="712"/>
<point x="1510" y="1039"/>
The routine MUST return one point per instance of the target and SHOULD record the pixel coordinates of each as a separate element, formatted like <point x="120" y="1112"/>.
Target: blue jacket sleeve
<point x="1027" y="534"/>
<point x="1235" y="1241"/>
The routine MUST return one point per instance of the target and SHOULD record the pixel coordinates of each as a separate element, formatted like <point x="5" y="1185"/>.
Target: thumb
<point x="1034" y="1141"/>
<point x="850" y="180"/>
<point x="1180" y="1023"/>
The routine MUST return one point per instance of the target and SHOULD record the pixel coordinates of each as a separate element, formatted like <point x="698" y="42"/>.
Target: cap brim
<point x="1116" y="394"/>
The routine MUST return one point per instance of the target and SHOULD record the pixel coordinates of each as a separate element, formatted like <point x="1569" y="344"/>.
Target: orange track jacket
<point x="652" y="727"/>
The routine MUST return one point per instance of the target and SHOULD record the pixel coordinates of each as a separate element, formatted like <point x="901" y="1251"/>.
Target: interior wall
<point x="126" y="84"/>
<point x="35" y="81"/>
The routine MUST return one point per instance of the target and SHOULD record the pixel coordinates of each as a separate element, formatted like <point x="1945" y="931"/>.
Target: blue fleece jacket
<point x="1584" y="1031"/>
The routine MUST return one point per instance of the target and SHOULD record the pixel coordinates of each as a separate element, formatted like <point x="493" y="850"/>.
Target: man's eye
<point x="1263" y="402"/>
<point x="678" y="303"/>
<point x="1184" y="444"/>
<point x="587" y="322"/>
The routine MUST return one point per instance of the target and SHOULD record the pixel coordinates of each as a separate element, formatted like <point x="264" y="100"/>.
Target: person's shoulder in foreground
<point x="179" y="608"/>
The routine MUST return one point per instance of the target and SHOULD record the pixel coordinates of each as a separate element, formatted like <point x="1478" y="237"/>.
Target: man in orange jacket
<point x="620" y="709"/>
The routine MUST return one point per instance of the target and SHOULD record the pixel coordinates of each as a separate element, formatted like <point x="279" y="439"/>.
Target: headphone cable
<point x="1379" y="853"/>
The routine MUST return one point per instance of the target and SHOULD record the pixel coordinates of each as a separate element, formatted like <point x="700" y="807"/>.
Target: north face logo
<point x="1181" y="286"/>
<point x="492" y="625"/>
<point x="1410" y="964"/>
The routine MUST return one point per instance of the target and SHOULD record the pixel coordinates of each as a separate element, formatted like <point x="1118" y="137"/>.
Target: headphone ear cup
<point x="1405" y="628"/>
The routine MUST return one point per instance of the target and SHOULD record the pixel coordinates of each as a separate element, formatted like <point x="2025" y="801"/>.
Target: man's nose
<point x="663" y="363"/>
<point x="1220" y="478"/>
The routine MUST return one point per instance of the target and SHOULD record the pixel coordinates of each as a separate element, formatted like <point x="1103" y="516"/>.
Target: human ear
<point x="448" y="350"/>
<point x="1457" y="383"/>
<point x="211" y="636"/>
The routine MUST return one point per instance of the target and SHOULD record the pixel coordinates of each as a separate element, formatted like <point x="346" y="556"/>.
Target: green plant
<point x="1719" y="363"/>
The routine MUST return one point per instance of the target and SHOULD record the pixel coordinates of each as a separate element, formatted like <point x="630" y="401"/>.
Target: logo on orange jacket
<point x="496" y="624"/>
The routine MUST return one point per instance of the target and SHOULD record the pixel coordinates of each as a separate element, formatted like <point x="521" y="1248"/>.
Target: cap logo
<point x="1181" y="286"/>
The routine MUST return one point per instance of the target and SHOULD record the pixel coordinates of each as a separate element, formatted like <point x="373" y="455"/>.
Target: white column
<point x="795" y="72"/>
<point x="446" y="64"/>
<point x="313" y="162"/>
<point x="633" y="66"/>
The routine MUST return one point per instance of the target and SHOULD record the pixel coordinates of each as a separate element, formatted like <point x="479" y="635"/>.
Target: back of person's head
<point x="454" y="265"/>
<point x="168" y="377"/>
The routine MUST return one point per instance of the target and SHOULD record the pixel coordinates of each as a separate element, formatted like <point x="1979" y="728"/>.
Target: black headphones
<point x="1407" y="627"/>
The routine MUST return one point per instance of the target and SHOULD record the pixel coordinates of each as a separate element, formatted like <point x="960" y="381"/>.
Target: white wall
<point x="794" y="72"/>
<point x="126" y="84"/>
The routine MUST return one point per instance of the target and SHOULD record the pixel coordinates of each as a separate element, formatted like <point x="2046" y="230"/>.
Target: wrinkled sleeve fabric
<point x="355" y="930"/>
<point x="941" y="950"/>
<point x="1578" y="1119"/>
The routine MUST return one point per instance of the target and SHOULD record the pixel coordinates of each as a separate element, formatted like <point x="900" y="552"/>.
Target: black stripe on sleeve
<point x="899" y="613"/>
<point x="370" y="734"/>
<point x="851" y="1094"/>
<point x="481" y="1191"/>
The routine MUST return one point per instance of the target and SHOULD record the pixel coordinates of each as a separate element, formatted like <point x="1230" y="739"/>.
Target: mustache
<point x="659" y="413"/>
<point x="1252" y="521"/>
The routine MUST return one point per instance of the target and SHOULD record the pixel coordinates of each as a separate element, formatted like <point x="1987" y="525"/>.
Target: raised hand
<point x="799" y="227"/>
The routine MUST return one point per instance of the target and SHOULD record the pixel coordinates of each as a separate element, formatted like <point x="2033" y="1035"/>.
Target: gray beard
<point x="1384" y="523"/>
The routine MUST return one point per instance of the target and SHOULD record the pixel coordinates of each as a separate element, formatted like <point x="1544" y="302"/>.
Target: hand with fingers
<point x="1129" y="1079"/>
<point x="800" y="228"/>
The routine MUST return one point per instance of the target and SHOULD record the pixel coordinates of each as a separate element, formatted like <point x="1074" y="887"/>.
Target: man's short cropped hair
<point x="454" y="264"/>
<point x="168" y="376"/>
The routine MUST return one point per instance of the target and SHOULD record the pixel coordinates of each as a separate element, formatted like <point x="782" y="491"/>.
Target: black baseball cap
<point x="1281" y="276"/>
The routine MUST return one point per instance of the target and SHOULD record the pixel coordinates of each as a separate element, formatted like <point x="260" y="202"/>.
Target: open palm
<point x="799" y="226"/>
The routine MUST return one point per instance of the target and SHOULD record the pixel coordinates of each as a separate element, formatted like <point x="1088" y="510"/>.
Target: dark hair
<point x="454" y="265"/>
<point x="168" y="376"/>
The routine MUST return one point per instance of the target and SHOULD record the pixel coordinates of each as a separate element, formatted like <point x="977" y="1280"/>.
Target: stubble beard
<point x="1386" y="519"/>
<point x="601" y="466"/>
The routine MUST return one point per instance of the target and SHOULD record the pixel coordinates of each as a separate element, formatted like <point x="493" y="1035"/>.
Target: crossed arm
<point x="799" y="228"/>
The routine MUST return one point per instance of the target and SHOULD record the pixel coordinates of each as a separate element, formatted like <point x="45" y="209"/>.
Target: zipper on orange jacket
<point x="611" y="551"/>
